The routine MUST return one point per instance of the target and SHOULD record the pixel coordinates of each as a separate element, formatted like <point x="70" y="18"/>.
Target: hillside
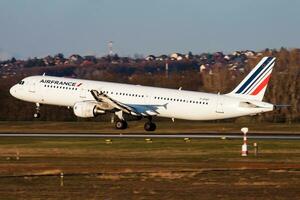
<point x="206" y="72"/>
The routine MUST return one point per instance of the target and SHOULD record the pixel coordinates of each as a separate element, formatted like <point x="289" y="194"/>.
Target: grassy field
<point x="134" y="169"/>
<point x="137" y="127"/>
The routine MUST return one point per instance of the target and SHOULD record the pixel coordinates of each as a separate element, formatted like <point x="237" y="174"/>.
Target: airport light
<point x="223" y="138"/>
<point x="187" y="139"/>
<point x="255" y="145"/>
<point x="61" y="179"/>
<point x="148" y="140"/>
<point x="17" y="155"/>
<point x="108" y="141"/>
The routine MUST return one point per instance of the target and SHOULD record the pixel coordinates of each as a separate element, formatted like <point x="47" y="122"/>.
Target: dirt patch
<point x="171" y="175"/>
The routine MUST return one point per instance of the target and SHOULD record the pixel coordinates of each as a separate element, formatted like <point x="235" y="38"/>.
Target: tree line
<point x="284" y="86"/>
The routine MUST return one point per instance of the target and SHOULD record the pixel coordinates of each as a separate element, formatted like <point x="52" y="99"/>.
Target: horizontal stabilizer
<point x="281" y="106"/>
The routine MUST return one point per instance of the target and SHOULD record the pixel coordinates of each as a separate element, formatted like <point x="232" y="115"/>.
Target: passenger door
<point x="83" y="92"/>
<point x="32" y="87"/>
<point x="219" y="108"/>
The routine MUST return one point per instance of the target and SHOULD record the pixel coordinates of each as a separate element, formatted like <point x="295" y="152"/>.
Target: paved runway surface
<point x="194" y="136"/>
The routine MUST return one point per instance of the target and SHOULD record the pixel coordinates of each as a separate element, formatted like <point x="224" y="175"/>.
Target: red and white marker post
<point x="244" y="146"/>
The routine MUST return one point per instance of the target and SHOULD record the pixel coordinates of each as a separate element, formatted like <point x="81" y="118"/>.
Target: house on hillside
<point x="249" y="53"/>
<point x="232" y="67"/>
<point x="150" y="58"/>
<point x="90" y="58"/>
<point x="236" y="53"/>
<point x="49" y="61"/>
<point x="227" y="57"/>
<point x="202" y="68"/>
<point x="162" y="57"/>
<point x="86" y="63"/>
<point x="59" y="59"/>
<point x="75" y="59"/>
<point x="218" y="56"/>
<point x="176" y="56"/>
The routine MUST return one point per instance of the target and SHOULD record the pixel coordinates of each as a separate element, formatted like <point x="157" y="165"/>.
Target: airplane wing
<point x="136" y="110"/>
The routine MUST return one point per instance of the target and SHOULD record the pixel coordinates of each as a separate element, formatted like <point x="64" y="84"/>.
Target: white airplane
<point x="91" y="98"/>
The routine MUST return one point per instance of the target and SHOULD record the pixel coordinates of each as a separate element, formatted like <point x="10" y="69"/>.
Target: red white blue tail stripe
<point x="256" y="82"/>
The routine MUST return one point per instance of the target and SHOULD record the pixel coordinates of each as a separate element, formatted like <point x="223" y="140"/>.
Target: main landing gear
<point x="122" y="124"/>
<point x="150" y="126"/>
<point x="37" y="111"/>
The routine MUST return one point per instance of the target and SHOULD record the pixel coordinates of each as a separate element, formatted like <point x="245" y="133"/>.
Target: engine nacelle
<point x="87" y="109"/>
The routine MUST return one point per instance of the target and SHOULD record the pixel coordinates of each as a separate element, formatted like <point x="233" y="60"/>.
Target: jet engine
<point x="87" y="109"/>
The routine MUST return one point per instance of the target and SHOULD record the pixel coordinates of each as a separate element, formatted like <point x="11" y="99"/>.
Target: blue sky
<point x="31" y="28"/>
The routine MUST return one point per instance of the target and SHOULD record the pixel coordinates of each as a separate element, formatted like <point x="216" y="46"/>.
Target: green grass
<point x="159" y="149"/>
<point x="137" y="127"/>
<point x="134" y="169"/>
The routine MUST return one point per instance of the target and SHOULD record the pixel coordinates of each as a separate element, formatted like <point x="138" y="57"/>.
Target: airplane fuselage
<point x="170" y="103"/>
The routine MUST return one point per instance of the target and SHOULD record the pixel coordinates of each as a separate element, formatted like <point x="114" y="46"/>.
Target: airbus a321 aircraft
<point x="91" y="98"/>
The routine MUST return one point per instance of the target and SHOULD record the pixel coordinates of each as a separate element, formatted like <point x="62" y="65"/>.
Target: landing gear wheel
<point x="36" y="115"/>
<point x="121" y="125"/>
<point x="149" y="126"/>
<point x="37" y="111"/>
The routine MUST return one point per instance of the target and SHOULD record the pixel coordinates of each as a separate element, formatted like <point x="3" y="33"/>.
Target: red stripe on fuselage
<point x="261" y="86"/>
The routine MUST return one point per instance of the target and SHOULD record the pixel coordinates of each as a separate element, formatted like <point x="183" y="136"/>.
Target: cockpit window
<point x="21" y="82"/>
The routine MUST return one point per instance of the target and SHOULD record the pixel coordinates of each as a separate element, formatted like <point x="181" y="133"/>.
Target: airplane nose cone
<point x="12" y="90"/>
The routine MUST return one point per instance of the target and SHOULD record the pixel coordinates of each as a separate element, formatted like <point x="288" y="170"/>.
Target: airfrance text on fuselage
<point x="65" y="83"/>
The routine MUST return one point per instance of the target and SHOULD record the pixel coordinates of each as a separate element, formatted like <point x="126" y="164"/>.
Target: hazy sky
<point x="31" y="28"/>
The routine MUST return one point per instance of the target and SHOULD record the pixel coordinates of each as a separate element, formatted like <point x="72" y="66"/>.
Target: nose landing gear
<point x="121" y="124"/>
<point x="37" y="111"/>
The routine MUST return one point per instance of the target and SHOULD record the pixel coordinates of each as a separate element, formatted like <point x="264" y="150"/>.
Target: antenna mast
<point x="110" y="48"/>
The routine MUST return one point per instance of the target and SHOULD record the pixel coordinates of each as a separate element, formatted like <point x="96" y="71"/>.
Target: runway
<point x="191" y="136"/>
